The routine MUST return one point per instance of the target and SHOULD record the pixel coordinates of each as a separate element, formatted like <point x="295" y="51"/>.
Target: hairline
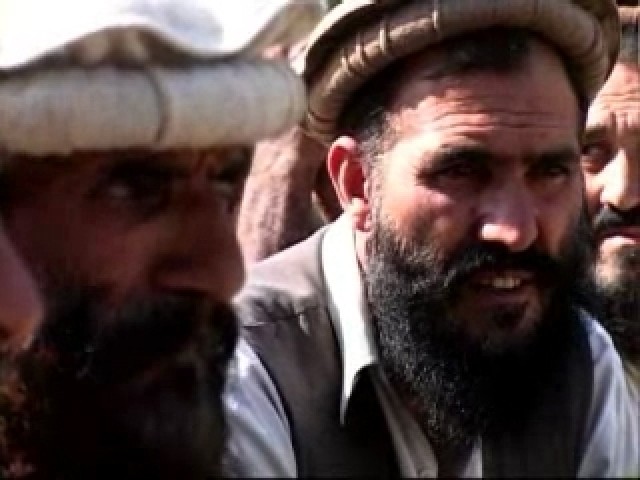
<point x="373" y="129"/>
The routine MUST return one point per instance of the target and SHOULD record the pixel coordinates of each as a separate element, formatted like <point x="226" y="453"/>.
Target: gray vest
<point x="286" y="320"/>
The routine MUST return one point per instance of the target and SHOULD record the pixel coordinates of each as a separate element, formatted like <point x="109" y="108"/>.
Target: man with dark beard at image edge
<point x="126" y="134"/>
<point x="611" y="165"/>
<point x="437" y="328"/>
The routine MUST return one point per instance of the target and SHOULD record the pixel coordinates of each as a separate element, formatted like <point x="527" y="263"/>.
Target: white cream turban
<point x="107" y="74"/>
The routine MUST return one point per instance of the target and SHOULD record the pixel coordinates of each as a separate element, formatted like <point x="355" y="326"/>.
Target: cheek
<point x="233" y="273"/>
<point x="112" y="257"/>
<point x="73" y="247"/>
<point x="593" y="187"/>
<point x="44" y="238"/>
<point x="558" y="219"/>
<point x="228" y="266"/>
<point x="422" y="215"/>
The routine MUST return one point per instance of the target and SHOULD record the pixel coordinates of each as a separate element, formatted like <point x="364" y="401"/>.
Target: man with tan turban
<point x="126" y="132"/>
<point x="611" y="165"/>
<point x="437" y="328"/>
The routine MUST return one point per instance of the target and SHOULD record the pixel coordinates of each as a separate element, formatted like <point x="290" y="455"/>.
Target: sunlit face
<point x="486" y="159"/>
<point x="611" y="165"/>
<point x="132" y="223"/>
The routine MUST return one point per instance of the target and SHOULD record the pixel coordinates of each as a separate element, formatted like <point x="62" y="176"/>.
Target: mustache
<point x="105" y="345"/>
<point x="496" y="256"/>
<point x="609" y="218"/>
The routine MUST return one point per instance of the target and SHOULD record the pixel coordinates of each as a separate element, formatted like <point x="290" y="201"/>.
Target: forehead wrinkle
<point x="619" y="99"/>
<point x="476" y="109"/>
<point x="618" y="115"/>
<point x="627" y="100"/>
<point x="481" y="120"/>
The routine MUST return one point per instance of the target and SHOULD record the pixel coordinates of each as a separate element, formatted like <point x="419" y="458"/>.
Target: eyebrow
<point x="239" y="163"/>
<point x="147" y="165"/>
<point x="597" y="130"/>
<point x="454" y="153"/>
<point x="474" y="154"/>
<point x="565" y="155"/>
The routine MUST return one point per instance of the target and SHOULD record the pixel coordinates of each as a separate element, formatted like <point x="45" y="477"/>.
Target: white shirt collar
<point x="348" y="311"/>
<point x="633" y="378"/>
<point x="347" y="305"/>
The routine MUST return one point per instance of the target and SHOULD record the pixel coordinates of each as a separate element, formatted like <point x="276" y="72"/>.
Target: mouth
<point x="491" y="289"/>
<point x="620" y="235"/>
<point x="615" y="238"/>
<point x="507" y="281"/>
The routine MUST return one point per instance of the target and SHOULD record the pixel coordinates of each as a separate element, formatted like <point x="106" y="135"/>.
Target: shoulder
<point x="608" y="371"/>
<point x="600" y="343"/>
<point x="285" y="284"/>
<point x="613" y="433"/>
<point x="259" y="442"/>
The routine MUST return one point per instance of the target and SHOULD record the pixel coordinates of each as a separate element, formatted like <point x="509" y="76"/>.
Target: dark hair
<point x="498" y="49"/>
<point x="630" y="43"/>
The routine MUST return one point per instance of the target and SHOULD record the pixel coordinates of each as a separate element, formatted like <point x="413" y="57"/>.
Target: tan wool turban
<point x="359" y="38"/>
<point x="109" y="74"/>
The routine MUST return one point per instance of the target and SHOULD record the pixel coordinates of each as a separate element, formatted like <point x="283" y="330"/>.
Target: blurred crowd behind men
<point x="288" y="194"/>
<point x="437" y="328"/>
<point x="611" y="165"/>
<point x="126" y="135"/>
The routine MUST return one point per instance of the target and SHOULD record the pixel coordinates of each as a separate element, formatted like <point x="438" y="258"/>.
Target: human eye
<point x="595" y="156"/>
<point x="460" y="170"/>
<point x="552" y="169"/>
<point x="140" y="187"/>
<point x="227" y="180"/>
<point x="457" y="170"/>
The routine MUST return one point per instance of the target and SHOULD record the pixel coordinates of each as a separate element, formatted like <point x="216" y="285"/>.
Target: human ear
<point x="345" y="167"/>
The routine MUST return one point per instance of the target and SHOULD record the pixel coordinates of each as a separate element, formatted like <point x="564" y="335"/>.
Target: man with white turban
<point x="126" y="130"/>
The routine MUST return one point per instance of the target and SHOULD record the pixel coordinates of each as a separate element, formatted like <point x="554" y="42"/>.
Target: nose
<point x="202" y="255"/>
<point x="508" y="216"/>
<point x="21" y="308"/>
<point x="621" y="185"/>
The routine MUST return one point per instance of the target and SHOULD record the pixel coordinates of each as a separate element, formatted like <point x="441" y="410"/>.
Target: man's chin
<point x="498" y="326"/>
<point x="618" y="283"/>
<point x="615" y="266"/>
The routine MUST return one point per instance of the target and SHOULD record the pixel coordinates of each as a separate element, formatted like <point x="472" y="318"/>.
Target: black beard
<point x="127" y="393"/>
<point x="620" y="308"/>
<point x="456" y="387"/>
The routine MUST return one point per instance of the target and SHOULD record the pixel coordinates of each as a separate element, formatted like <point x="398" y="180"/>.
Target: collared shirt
<point x="633" y="377"/>
<point x="612" y="443"/>
<point x="259" y="443"/>
<point x="354" y="331"/>
<point x="633" y="383"/>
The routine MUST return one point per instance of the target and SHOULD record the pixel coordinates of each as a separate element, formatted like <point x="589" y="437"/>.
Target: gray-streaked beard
<point x="620" y="309"/>
<point x="133" y="392"/>
<point x="455" y="387"/>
